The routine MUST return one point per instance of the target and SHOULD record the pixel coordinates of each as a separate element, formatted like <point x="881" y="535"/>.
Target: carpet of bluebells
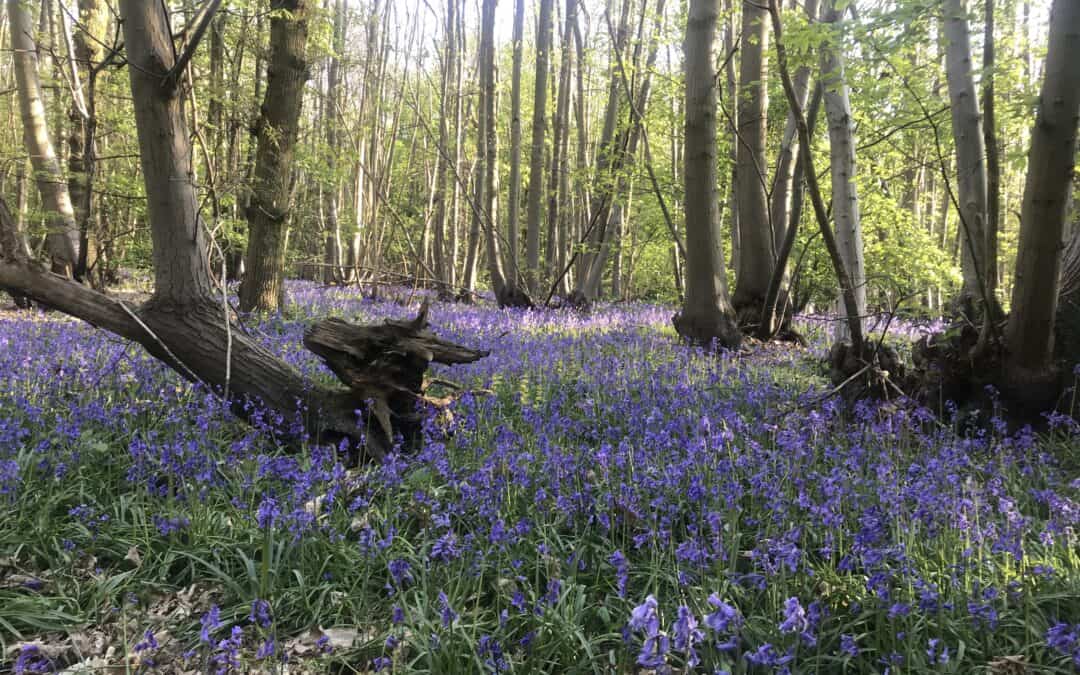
<point x="600" y="499"/>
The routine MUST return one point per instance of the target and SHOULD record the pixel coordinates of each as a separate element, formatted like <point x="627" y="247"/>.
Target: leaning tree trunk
<point x="63" y="234"/>
<point x="784" y="179"/>
<point x="858" y="349"/>
<point x="970" y="156"/>
<point x="756" y="254"/>
<point x="263" y="286"/>
<point x="845" y="199"/>
<point x="1030" y="331"/>
<point x="183" y="323"/>
<point x="707" y="314"/>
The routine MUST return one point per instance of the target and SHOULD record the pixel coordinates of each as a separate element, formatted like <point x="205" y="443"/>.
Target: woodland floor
<point x="603" y="499"/>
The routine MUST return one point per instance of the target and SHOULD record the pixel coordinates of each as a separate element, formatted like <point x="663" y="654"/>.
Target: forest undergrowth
<point x="599" y="499"/>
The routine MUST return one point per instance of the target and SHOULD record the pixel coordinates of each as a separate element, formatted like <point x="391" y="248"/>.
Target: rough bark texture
<point x="63" y="234"/>
<point x="970" y="150"/>
<point x="263" y="285"/>
<point x="756" y="254"/>
<point x="845" y="199"/>
<point x="386" y="364"/>
<point x="706" y="315"/>
<point x="1046" y="194"/>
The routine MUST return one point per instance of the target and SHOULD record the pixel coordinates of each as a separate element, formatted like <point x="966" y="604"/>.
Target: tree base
<point x="955" y="370"/>
<point x="870" y="373"/>
<point x="515" y="297"/>
<point x="715" y="329"/>
<point x="578" y="301"/>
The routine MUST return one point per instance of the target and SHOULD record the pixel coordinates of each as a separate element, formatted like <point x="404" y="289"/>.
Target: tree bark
<point x="62" y="238"/>
<point x="1030" y="332"/>
<point x="756" y="254"/>
<point x="263" y="285"/>
<point x="514" y="200"/>
<point x="813" y="188"/>
<point x="609" y="158"/>
<point x="82" y="141"/>
<point x="536" y="159"/>
<point x="706" y="314"/>
<point x="444" y="262"/>
<point x="845" y="199"/>
<point x="783" y="181"/>
<point x="558" y="197"/>
<point x="970" y="154"/>
<point x="993" y="163"/>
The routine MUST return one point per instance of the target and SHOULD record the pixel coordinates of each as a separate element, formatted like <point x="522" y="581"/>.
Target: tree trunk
<point x="1030" y="331"/>
<point x="847" y="289"/>
<point x="707" y="314"/>
<point x="536" y="159"/>
<point x="514" y="201"/>
<point x="558" y="197"/>
<point x="756" y="254"/>
<point x="63" y="234"/>
<point x="783" y="181"/>
<point x="82" y="142"/>
<point x="993" y="164"/>
<point x="444" y="263"/>
<point x="263" y="286"/>
<point x="845" y="200"/>
<point x="610" y="155"/>
<point x="970" y="154"/>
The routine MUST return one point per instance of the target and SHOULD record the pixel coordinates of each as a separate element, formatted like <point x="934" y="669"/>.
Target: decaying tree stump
<point x="384" y="366"/>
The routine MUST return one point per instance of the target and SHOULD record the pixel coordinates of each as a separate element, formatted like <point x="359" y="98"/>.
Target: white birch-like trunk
<point x="845" y="199"/>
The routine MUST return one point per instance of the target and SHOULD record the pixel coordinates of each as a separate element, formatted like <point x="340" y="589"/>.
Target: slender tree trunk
<point x="539" y="138"/>
<point x="559" y="195"/>
<point x="756" y="254"/>
<point x="1030" y="332"/>
<point x="733" y="147"/>
<point x="63" y="234"/>
<point x="707" y="314"/>
<point x="845" y="199"/>
<point x="82" y="142"/>
<point x="970" y="154"/>
<point x="514" y="202"/>
<point x="443" y="263"/>
<point x="331" y="114"/>
<point x="783" y="181"/>
<point x="263" y="285"/>
<point x="610" y="155"/>
<point x="813" y="188"/>
<point x="993" y="164"/>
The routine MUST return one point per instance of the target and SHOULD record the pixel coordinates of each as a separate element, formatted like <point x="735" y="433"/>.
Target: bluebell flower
<point x="725" y="618"/>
